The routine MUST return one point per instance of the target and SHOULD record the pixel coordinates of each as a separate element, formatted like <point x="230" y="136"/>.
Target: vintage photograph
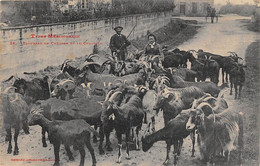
<point x="129" y="82"/>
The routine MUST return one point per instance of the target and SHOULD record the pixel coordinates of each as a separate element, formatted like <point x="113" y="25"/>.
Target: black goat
<point x="207" y="87"/>
<point x="73" y="132"/>
<point x="36" y="89"/>
<point x="186" y="55"/>
<point x="173" y="133"/>
<point x="237" y="78"/>
<point x="127" y="116"/>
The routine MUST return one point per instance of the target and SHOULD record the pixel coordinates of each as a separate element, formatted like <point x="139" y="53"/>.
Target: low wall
<point x="22" y="52"/>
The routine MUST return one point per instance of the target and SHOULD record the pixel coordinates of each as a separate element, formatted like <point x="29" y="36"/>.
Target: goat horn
<point x="69" y="83"/>
<point x="194" y="103"/>
<point x="120" y="80"/>
<point x="109" y="94"/>
<point x="165" y="77"/>
<point x="205" y="56"/>
<point x="201" y="105"/>
<point x="106" y="62"/>
<point x="111" y="99"/>
<point x="92" y="56"/>
<point x="66" y="61"/>
<point x="86" y="64"/>
<point x="233" y="53"/>
<point x="7" y="89"/>
<point x="16" y="98"/>
<point x="9" y="78"/>
<point x="210" y="57"/>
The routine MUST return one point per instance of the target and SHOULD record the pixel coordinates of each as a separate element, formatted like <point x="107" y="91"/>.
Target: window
<point x="194" y="7"/>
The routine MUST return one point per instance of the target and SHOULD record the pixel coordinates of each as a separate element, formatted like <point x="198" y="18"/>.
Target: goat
<point x="184" y="73"/>
<point x="73" y="132"/>
<point x="126" y="116"/>
<point x="187" y="55"/>
<point x="173" y="133"/>
<point x="14" y="116"/>
<point x="206" y="68"/>
<point x="88" y="109"/>
<point x="217" y="132"/>
<point x="172" y="101"/>
<point x="36" y="89"/>
<point x="64" y="90"/>
<point x="207" y="87"/>
<point x="237" y="78"/>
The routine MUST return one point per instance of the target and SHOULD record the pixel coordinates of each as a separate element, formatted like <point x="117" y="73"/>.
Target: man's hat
<point x="118" y="28"/>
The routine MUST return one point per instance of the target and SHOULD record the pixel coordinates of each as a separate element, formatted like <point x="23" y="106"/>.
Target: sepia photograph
<point x="129" y="82"/>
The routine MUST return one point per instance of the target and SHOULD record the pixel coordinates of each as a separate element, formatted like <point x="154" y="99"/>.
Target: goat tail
<point x="240" y="137"/>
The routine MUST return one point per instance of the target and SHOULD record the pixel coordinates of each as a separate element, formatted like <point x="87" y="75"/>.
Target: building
<point x="66" y="5"/>
<point x="192" y="7"/>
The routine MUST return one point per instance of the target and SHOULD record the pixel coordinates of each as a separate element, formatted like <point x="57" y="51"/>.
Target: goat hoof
<point x="71" y="158"/>
<point x="44" y="145"/>
<point x="118" y="162"/>
<point x="109" y="149"/>
<point x="56" y="164"/>
<point x="9" y="151"/>
<point x="128" y="158"/>
<point x="16" y="152"/>
<point x="101" y="152"/>
<point x="165" y="162"/>
<point x="95" y="140"/>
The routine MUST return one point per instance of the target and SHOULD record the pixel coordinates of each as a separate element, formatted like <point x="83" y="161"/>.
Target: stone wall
<point x="20" y="50"/>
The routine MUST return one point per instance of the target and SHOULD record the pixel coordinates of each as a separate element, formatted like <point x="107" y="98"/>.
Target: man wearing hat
<point x="118" y="44"/>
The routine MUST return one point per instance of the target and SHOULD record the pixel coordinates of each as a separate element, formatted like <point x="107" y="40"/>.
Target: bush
<point x="243" y="10"/>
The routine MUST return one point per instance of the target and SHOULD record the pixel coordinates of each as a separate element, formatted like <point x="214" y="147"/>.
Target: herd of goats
<point x="123" y="95"/>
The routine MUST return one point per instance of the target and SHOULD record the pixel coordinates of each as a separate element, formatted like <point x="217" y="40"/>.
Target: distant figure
<point x="153" y="48"/>
<point x="213" y="14"/>
<point x="118" y="44"/>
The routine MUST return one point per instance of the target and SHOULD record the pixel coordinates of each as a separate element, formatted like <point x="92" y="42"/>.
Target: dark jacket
<point x="119" y="43"/>
<point x="156" y="50"/>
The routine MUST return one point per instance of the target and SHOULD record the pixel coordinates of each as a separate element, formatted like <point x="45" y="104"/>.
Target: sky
<point x="234" y="1"/>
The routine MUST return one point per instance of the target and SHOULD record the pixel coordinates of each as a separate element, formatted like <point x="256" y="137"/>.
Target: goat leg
<point x="44" y="144"/>
<point x="231" y="86"/>
<point x="82" y="155"/>
<point x="91" y="150"/>
<point x="127" y="139"/>
<point x="67" y="148"/>
<point x="94" y="136"/>
<point x="56" y="153"/>
<point x="26" y="127"/>
<point x="153" y="124"/>
<point x="235" y="86"/>
<point x="16" y="133"/>
<point x="193" y="143"/>
<point x="180" y="143"/>
<point x="168" y="148"/>
<point x="240" y="89"/>
<point x="108" y="143"/>
<point x="101" y="140"/>
<point x="119" y="138"/>
<point x="9" y="138"/>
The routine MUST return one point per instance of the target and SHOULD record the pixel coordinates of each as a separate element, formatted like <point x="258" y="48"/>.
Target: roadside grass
<point x="173" y="34"/>
<point x="251" y="96"/>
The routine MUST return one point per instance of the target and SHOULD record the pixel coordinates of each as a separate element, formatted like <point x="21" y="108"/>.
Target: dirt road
<point x="227" y="35"/>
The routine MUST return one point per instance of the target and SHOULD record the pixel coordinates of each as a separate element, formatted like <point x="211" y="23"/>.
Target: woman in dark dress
<point x="153" y="48"/>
